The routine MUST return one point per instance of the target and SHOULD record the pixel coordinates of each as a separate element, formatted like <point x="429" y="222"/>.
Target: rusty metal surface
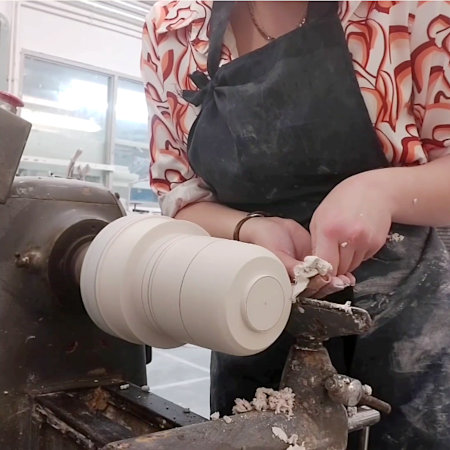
<point x="151" y="407"/>
<point x="69" y="190"/>
<point x="70" y="410"/>
<point x="14" y="133"/>
<point x="319" y="320"/>
<point x="47" y="341"/>
<point x="91" y="418"/>
<point x="249" y="431"/>
<point x="305" y="373"/>
<point x="319" y="422"/>
<point x="50" y="433"/>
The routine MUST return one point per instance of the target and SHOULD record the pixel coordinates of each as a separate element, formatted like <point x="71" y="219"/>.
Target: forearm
<point x="218" y="220"/>
<point x="418" y="195"/>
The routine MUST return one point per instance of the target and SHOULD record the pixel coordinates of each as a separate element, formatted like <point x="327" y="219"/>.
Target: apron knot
<point x="204" y="84"/>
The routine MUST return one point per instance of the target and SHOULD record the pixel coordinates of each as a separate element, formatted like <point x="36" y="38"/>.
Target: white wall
<point x="6" y="9"/>
<point x="57" y="29"/>
<point x="5" y="33"/>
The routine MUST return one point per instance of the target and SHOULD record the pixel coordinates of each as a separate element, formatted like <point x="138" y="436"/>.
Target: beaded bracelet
<point x="238" y="227"/>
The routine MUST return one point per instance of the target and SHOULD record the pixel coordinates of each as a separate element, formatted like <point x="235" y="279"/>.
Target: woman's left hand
<point x="352" y="222"/>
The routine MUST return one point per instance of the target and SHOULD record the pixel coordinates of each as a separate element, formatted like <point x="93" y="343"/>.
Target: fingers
<point x="301" y="239"/>
<point x="326" y="248"/>
<point x="359" y="257"/>
<point x="351" y="278"/>
<point x="288" y="261"/>
<point x="315" y="285"/>
<point x="319" y="287"/>
<point x="346" y="257"/>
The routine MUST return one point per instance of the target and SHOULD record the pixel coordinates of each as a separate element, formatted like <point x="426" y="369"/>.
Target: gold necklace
<point x="267" y="37"/>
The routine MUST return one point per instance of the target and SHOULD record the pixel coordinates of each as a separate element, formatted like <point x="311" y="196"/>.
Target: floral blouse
<point x="401" y="57"/>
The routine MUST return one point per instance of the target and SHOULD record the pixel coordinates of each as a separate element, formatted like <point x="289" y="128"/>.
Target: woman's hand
<point x="352" y="222"/>
<point x="284" y="237"/>
<point x="291" y="243"/>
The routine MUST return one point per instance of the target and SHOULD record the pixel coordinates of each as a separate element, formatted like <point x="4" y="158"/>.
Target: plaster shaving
<point x="216" y="416"/>
<point x="281" y="402"/>
<point x="395" y="237"/>
<point x="292" y="440"/>
<point x="309" y="268"/>
<point x="347" y="307"/>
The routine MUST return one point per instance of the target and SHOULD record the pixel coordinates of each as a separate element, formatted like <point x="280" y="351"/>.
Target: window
<point x="132" y="143"/>
<point x="68" y="108"/>
<point x="103" y="115"/>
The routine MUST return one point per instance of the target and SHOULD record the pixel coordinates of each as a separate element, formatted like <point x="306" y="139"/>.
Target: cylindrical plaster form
<point x="163" y="282"/>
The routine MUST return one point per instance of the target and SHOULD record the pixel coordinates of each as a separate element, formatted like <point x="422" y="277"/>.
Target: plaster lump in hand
<point x="309" y="268"/>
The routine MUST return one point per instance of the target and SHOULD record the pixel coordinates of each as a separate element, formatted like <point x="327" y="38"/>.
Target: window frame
<point x="114" y="77"/>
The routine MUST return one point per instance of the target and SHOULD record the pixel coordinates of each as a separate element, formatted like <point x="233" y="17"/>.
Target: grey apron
<point x="278" y="129"/>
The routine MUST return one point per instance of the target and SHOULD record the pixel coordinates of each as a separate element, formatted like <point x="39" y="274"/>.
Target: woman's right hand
<point x="290" y="242"/>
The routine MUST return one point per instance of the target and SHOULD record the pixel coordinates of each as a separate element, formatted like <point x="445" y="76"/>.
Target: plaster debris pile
<point x="309" y="268"/>
<point x="281" y="402"/>
<point x="292" y="440"/>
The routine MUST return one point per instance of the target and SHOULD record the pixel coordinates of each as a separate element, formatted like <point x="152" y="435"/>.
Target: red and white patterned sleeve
<point x="171" y="176"/>
<point x="430" y="64"/>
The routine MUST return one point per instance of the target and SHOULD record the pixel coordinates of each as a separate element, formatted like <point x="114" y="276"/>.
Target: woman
<point x="334" y="119"/>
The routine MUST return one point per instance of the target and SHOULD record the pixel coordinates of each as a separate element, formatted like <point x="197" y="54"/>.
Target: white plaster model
<point x="164" y="282"/>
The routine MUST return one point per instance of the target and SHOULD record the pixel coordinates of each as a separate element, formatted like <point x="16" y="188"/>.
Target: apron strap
<point x="220" y="17"/>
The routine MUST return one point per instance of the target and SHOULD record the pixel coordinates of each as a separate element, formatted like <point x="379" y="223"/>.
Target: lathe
<point x="83" y="289"/>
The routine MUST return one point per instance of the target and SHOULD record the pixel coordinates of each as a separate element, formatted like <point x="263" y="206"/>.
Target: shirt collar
<point x="177" y="14"/>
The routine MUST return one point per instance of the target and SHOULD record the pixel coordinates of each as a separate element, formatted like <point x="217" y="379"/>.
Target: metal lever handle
<point x="350" y="392"/>
<point x="375" y="403"/>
